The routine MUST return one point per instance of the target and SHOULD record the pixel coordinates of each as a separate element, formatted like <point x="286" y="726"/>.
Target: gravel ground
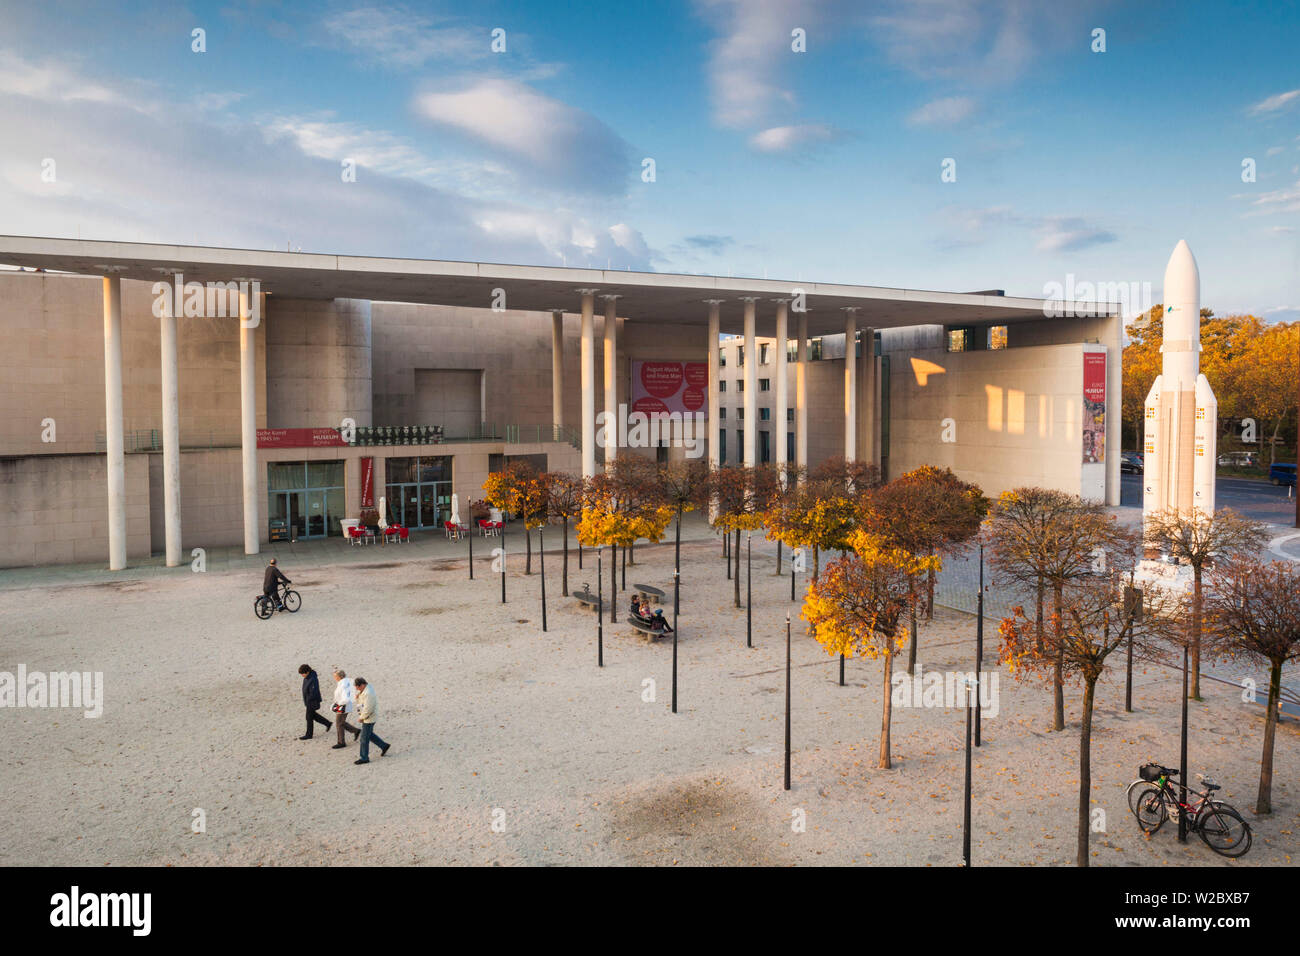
<point x="510" y="746"/>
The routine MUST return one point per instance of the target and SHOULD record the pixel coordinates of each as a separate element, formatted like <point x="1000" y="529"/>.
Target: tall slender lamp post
<point x="600" y="610"/>
<point x="677" y="575"/>
<point x="749" y="589"/>
<point x="979" y="647"/>
<point x="1182" y="760"/>
<point x="965" y="819"/>
<point x="787" y="700"/>
<point x="503" y="562"/>
<point x="541" y="557"/>
<point x="470" y="535"/>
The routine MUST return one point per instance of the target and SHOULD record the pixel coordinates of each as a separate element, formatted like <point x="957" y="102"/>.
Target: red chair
<point x="356" y="535"/>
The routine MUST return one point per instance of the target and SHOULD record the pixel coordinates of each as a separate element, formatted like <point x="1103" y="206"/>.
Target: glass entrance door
<point x="317" y="514"/>
<point x="428" y="506"/>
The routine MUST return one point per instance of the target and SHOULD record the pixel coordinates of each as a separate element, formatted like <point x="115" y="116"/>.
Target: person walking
<point x="344" y="702"/>
<point x="311" y="698"/>
<point x="368" y="712"/>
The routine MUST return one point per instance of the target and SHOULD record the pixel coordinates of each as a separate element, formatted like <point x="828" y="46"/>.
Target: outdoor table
<point x="587" y="598"/>
<point x="654" y="594"/>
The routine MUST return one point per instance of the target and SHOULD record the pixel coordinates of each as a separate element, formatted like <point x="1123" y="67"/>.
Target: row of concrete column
<point x="782" y="333"/>
<point x="248" y="401"/>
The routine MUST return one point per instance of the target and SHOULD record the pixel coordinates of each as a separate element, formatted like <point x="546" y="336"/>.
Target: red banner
<point x="367" y="482"/>
<point x="660" y="388"/>
<point x="299" y="438"/>
<point x="1094" y="407"/>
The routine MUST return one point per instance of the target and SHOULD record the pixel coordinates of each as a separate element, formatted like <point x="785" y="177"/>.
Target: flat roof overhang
<point x="644" y="296"/>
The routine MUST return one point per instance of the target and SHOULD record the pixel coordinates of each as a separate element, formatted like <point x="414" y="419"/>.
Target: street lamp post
<point x="600" y="611"/>
<point x="787" y="700"/>
<point x="677" y="575"/>
<point x="503" y="562"/>
<point x="979" y="646"/>
<point x="1182" y="761"/>
<point x="471" y="552"/>
<point x="965" y="820"/>
<point x="749" y="589"/>
<point x="541" y="557"/>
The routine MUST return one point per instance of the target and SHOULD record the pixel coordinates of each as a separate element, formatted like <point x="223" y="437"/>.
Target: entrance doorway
<point x="305" y="498"/>
<point x="419" y="491"/>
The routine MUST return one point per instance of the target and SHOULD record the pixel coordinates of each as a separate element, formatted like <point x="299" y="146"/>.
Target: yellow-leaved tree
<point x="856" y="608"/>
<point x="612" y="515"/>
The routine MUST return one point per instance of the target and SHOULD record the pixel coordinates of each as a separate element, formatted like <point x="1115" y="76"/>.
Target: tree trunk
<point x="1058" y="667"/>
<point x="613" y="585"/>
<point x="1038" y="622"/>
<point x="624" y="567"/>
<point x="735" y="549"/>
<point x="1197" y="606"/>
<point x="565" y="525"/>
<point x="777" y="572"/>
<point x="1085" y="773"/>
<point x="885" y="763"/>
<point x="631" y="556"/>
<point x="726" y="552"/>
<point x="911" y="645"/>
<point x="1264" y="802"/>
<point x="817" y="563"/>
<point x="929" y="592"/>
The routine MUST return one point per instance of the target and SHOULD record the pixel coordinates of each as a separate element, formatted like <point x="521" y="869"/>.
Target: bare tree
<point x="1253" y="611"/>
<point x="1200" y="540"/>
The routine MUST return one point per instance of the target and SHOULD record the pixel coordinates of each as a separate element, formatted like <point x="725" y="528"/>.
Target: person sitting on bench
<point x="660" y="623"/>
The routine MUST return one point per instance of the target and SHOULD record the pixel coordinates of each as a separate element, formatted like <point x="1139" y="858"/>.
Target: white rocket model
<point x="1182" y="414"/>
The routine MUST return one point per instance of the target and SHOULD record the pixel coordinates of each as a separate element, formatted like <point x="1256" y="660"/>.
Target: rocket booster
<point x="1181" y="413"/>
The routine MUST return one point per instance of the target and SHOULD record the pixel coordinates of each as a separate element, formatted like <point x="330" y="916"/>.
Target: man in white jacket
<point x="368" y="713"/>
<point x="344" y="703"/>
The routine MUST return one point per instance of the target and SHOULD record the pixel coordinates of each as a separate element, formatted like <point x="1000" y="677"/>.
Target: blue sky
<point x="823" y="164"/>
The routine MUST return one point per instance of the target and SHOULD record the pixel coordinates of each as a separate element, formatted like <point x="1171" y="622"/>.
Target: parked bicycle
<point x="1153" y="800"/>
<point x="289" y="600"/>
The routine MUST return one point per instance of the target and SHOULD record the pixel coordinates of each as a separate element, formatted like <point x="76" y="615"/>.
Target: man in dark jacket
<point x="311" y="697"/>
<point x="273" y="577"/>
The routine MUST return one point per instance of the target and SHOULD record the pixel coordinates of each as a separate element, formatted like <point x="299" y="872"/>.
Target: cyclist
<point x="270" y="581"/>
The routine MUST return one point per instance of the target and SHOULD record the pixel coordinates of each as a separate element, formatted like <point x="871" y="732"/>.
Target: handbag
<point x="339" y="708"/>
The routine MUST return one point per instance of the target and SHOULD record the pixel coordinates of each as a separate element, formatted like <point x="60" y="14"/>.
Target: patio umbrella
<point x="383" y="511"/>
<point x="455" y="508"/>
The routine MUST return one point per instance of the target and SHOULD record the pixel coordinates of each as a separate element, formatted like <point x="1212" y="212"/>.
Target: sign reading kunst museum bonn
<point x="1094" y="407"/>
<point x="299" y="438"/>
<point x="664" y="388"/>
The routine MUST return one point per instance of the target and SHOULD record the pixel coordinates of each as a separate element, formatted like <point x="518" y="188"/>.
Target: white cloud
<point x="177" y="175"/>
<point x="780" y="139"/>
<point x="559" y="143"/>
<point x="401" y="38"/>
<point x="1274" y="103"/>
<point x="1070" y="234"/>
<point x="943" y="112"/>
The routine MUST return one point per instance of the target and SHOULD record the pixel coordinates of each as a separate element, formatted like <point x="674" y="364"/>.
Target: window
<point x="722" y="446"/>
<point x="764" y="354"/>
<point x="722" y="386"/>
<point x="740" y="384"/>
<point x="722" y="358"/>
<point x="764" y="384"/>
<point x="740" y="446"/>
<point x="789" y="414"/>
<point x="740" y="356"/>
<point x="740" y="414"/>
<point x="722" y="413"/>
<point x="961" y="339"/>
<point x="765" y="414"/>
<point x="792" y="351"/>
<point x="815" y="349"/>
<point x="764" y="447"/>
<point x="997" y="336"/>
<point x="789" y="446"/>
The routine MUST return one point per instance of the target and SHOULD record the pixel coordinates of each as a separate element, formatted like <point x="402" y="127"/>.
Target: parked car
<point x="1130" y="463"/>
<point x="1239" y="459"/>
<point x="1282" y="474"/>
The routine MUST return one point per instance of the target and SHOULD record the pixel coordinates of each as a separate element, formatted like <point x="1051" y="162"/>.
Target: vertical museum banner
<point x="665" y="388"/>
<point x="1094" y="407"/>
<point x="367" y="482"/>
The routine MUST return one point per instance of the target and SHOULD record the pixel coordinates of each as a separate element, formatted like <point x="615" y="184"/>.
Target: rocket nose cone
<point x="1182" y="277"/>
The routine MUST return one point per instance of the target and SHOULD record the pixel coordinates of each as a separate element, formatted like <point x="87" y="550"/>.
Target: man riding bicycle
<point x="270" y="583"/>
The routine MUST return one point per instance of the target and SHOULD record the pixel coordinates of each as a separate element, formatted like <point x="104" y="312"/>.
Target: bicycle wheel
<point x="263" y="607"/>
<point x="292" y="601"/>
<point x="1136" y="791"/>
<point x="1151" y="812"/>
<point x="1224" y="831"/>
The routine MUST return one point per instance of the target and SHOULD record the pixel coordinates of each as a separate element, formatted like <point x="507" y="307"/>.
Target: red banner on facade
<point x="661" y="388"/>
<point x="1094" y="407"/>
<point x="367" y="482"/>
<point x="299" y="438"/>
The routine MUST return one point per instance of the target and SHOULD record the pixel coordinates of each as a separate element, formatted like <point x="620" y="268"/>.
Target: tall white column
<point x="782" y="380"/>
<point x="248" y="419"/>
<point x="801" y="394"/>
<point x="557" y="370"/>
<point x="171" y="438"/>
<point x="588" y="375"/>
<point x="611" y="379"/>
<point x="850" y="385"/>
<point x="751" y="385"/>
<point x="116" y="462"/>
<point x="715" y="422"/>
<point x="867" y="389"/>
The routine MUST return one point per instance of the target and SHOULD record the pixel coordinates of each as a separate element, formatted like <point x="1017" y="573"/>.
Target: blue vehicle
<point x="1282" y="474"/>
